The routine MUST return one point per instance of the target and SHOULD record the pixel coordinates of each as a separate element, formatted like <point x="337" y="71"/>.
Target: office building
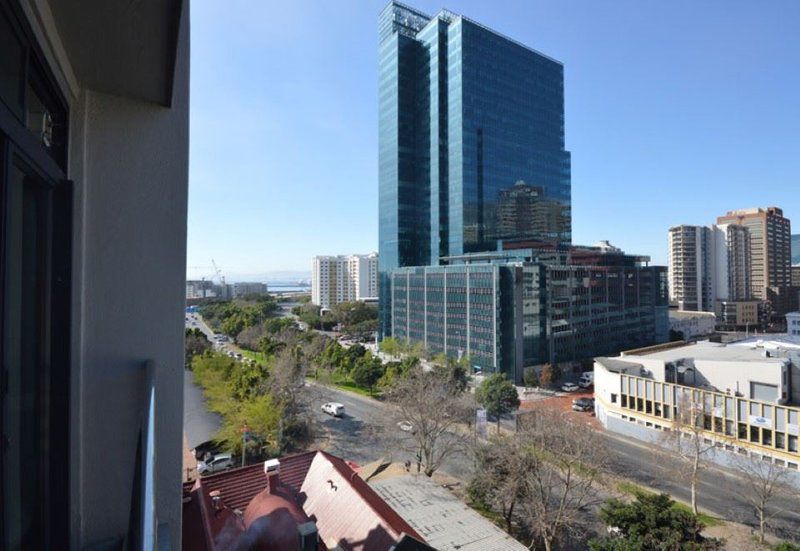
<point x="471" y="142"/>
<point x="708" y="264"/>
<point x="200" y="288"/>
<point x="336" y="279"/>
<point x="796" y="276"/>
<point x="745" y="394"/>
<point x="94" y="130"/>
<point x="691" y="325"/>
<point x="770" y="249"/>
<point x="793" y="324"/>
<point x="531" y="304"/>
<point x="733" y="315"/>
<point x="796" y="249"/>
<point x="249" y="288"/>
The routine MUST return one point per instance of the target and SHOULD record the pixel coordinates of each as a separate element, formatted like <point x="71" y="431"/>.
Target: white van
<point x="586" y="379"/>
<point x="333" y="408"/>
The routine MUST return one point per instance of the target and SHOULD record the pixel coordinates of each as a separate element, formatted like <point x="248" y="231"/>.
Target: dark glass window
<point x="12" y="63"/>
<point x="35" y="238"/>
<point x="28" y="91"/>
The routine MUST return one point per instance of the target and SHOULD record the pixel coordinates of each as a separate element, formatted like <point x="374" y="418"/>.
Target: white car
<point x="333" y="408"/>
<point x="569" y="387"/>
<point x="405" y="426"/>
<point x="216" y="464"/>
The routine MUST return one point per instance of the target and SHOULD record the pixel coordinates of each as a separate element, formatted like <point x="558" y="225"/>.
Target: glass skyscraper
<point x="471" y="142"/>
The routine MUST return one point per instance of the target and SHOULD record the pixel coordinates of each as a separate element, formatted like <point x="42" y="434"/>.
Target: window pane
<point x="25" y="405"/>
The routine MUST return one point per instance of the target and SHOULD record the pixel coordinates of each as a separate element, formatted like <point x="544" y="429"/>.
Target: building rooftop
<point x="689" y="314"/>
<point x="705" y="350"/>
<point x="440" y="517"/>
<point x="222" y="511"/>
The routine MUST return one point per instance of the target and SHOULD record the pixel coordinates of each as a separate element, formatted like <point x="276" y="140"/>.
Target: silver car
<point x="215" y="464"/>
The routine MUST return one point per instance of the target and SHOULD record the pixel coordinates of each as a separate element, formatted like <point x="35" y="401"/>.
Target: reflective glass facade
<point x="545" y="307"/>
<point x="471" y="142"/>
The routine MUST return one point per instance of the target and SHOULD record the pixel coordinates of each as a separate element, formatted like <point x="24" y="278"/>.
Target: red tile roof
<point x="239" y="486"/>
<point x="346" y="509"/>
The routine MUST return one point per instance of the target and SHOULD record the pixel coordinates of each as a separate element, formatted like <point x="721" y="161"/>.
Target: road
<point x="718" y="491"/>
<point x="358" y="437"/>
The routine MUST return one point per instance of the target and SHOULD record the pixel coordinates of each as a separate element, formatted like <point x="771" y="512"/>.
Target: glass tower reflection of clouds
<point x="471" y="142"/>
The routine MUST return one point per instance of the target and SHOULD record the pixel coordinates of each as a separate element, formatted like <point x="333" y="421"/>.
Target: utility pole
<point x="245" y="430"/>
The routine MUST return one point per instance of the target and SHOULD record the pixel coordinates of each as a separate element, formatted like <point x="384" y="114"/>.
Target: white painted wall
<point x="129" y="162"/>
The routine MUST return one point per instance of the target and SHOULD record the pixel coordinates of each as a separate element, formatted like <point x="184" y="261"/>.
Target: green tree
<point x="390" y="346"/>
<point x="530" y="377"/>
<point x="195" y="343"/>
<point x="367" y="371"/>
<point x="456" y="372"/>
<point x="498" y="396"/>
<point x="652" y="522"/>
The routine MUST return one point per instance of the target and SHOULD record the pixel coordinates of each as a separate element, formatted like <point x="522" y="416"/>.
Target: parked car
<point x="405" y="426"/>
<point x="569" y="387"/>
<point x="215" y="464"/>
<point x="583" y="404"/>
<point x="586" y="380"/>
<point x="333" y="408"/>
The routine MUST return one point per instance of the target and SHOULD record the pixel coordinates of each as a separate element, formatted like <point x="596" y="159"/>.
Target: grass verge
<point x="630" y="488"/>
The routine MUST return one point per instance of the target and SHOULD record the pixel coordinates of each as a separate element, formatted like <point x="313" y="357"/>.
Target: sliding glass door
<point x="35" y="260"/>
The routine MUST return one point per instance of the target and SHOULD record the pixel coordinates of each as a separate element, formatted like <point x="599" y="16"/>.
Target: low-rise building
<point x="793" y="324"/>
<point x="690" y="325"/>
<point x="744" y="314"/>
<point x="747" y="392"/>
<point x="249" y="288"/>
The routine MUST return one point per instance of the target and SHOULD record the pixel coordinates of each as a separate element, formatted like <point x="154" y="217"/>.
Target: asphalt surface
<point x="359" y="436"/>
<point x="719" y="491"/>
<point x="367" y="433"/>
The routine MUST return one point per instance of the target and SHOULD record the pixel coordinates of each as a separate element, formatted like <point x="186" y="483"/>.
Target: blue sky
<point x="675" y="113"/>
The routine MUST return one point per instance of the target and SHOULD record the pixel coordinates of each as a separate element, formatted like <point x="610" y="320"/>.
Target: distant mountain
<point x="796" y="249"/>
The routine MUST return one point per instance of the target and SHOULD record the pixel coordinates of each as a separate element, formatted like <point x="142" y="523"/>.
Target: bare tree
<point x="687" y="440"/>
<point x="762" y="483"/>
<point x="429" y="415"/>
<point x="286" y="384"/>
<point x="564" y="467"/>
<point x="500" y="481"/>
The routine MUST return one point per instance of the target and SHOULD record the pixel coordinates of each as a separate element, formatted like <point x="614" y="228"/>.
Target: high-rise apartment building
<point x="690" y="276"/>
<point x="336" y="279"/>
<point x="770" y="248"/>
<point x="471" y="142"/>
<point x="707" y="264"/>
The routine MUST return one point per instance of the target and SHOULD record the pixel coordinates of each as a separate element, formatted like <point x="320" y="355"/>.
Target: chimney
<point x="272" y="469"/>
<point x="309" y="537"/>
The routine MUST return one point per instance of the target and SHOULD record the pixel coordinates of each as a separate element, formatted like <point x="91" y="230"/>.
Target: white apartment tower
<point x="707" y="264"/>
<point x="343" y="278"/>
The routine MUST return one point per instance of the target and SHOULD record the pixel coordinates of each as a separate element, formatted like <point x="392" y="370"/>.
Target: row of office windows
<point x="741" y="419"/>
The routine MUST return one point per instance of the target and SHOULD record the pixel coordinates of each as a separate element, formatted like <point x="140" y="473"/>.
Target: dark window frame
<point x="19" y="146"/>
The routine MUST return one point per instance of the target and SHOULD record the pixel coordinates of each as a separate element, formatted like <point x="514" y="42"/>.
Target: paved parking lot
<point x="562" y="402"/>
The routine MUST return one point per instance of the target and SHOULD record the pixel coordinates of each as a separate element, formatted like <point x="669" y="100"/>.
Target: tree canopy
<point x="497" y="395"/>
<point x="652" y="522"/>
